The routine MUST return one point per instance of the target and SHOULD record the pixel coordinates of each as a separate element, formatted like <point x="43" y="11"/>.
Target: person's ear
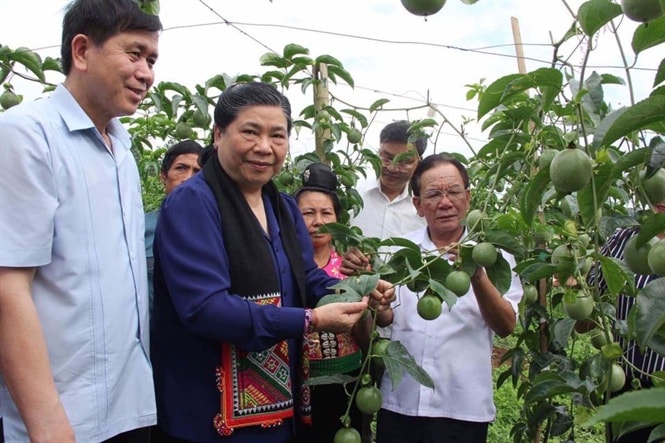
<point x="81" y="44"/>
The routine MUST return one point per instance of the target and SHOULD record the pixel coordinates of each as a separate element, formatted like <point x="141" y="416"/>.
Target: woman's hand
<point x="338" y="317"/>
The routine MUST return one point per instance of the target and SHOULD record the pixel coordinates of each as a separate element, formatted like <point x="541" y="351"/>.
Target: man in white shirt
<point x="387" y="207"/>
<point x="455" y="348"/>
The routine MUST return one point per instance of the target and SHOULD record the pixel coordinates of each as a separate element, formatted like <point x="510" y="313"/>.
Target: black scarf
<point x="252" y="269"/>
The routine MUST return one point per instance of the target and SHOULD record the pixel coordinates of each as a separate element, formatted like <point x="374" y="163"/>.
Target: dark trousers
<point x="328" y="404"/>
<point x="397" y="428"/>
<point x="140" y="435"/>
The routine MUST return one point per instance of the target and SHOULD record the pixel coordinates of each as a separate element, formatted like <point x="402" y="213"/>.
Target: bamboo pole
<point x="321" y="100"/>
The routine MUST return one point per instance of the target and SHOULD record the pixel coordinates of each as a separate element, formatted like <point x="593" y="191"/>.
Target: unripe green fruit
<point x="458" y="282"/>
<point x="654" y="187"/>
<point x="642" y="10"/>
<point x="429" y="307"/>
<point x="8" y="100"/>
<point x="656" y="258"/>
<point x="570" y="170"/>
<point x="354" y="136"/>
<point x="474" y="220"/>
<point x="546" y="158"/>
<point x="423" y="7"/>
<point x="182" y="131"/>
<point x="369" y="399"/>
<point x="581" y="308"/>
<point x="637" y="259"/>
<point x="484" y="254"/>
<point x="617" y="378"/>
<point x="530" y="294"/>
<point x="347" y="435"/>
<point x="560" y="253"/>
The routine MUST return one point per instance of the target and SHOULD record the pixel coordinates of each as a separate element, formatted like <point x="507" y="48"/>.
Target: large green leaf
<point x="648" y="35"/>
<point x="650" y="311"/>
<point x="626" y="120"/>
<point x="595" y="14"/>
<point x="293" y="49"/>
<point x="532" y="196"/>
<point x="359" y="285"/>
<point x="615" y="274"/>
<point x="273" y="59"/>
<point x="660" y="74"/>
<point x="649" y="227"/>
<point x="398" y="360"/>
<point x="547" y="80"/>
<point x="30" y="59"/>
<point x="545" y="388"/>
<point x="343" y="73"/>
<point x="642" y="405"/>
<point x="500" y="274"/>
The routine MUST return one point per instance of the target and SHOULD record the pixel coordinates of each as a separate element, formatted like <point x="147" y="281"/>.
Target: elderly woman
<point x="329" y="353"/>
<point x="234" y="281"/>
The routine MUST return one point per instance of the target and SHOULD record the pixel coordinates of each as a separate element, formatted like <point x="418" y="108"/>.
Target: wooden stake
<point x="519" y="50"/>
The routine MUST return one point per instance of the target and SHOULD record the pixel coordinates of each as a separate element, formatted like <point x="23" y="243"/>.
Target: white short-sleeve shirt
<point x="383" y="218"/>
<point x="455" y="349"/>
<point x="73" y="210"/>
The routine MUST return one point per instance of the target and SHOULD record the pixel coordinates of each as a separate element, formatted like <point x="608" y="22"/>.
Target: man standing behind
<point x="73" y="287"/>
<point x="180" y="162"/>
<point x="387" y="207"/>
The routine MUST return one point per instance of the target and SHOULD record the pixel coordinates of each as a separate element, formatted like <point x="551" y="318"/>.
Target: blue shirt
<point x="194" y="312"/>
<point x="150" y="226"/>
<point x="73" y="210"/>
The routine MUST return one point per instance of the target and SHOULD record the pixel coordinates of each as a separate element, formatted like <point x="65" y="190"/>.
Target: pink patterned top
<point x="331" y="353"/>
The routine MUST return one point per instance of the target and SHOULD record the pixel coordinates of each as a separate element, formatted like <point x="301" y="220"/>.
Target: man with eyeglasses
<point x="455" y="348"/>
<point x="387" y="208"/>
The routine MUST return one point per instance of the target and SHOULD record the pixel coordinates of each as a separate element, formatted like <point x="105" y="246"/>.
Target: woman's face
<point x="317" y="209"/>
<point x="253" y="147"/>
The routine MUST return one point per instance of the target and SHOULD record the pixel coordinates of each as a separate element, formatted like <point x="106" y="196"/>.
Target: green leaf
<point x="293" y="49"/>
<point x="398" y="360"/>
<point x="494" y="94"/>
<point x="150" y="7"/>
<point x="629" y="160"/>
<point x="344" y="297"/>
<point x="341" y="233"/>
<point x="657" y="157"/>
<point x="648" y="35"/>
<point x="506" y="241"/>
<point x="359" y="116"/>
<point x="378" y="104"/>
<point x="216" y="81"/>
<point x="273" y="59"/>
<point x="660" y="74"/>
<point x="595" y="14"/>
<point x="642" y="405"/>
<point x="658" y="434"/>
<point x="615" y="274"/>
<point x="343" y="73"/>
<point x="329" y="60"/>
<point x="649" y="228"/>
<point x="650" y="311"/>
<point x="648" y="111"/>
<point x="548" y="388"/>
<point x="443" y="293"/>
<point x="51" y="64"/>
<point x="359" y="285"/>
<point x="500" y="274"/>
<point x="533" y="195"/>
<point x="29" y="59"/>
<point x="547" y="80"/>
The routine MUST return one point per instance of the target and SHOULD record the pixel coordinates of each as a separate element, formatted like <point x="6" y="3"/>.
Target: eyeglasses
<point x="405" y="162"/>
<point x="436" y="195"/>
